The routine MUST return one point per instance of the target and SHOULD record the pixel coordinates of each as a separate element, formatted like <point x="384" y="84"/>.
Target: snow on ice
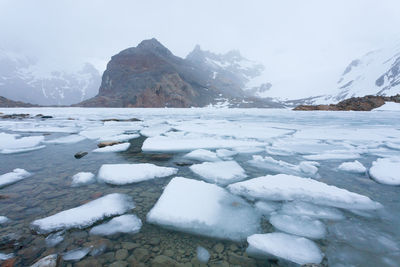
<point x="127" y="224"/>
<point x="222" y="172"/>
<point x="13" y="177"/>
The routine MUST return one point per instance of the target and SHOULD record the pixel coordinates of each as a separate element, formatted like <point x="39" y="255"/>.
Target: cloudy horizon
<point x="304" y="45"/>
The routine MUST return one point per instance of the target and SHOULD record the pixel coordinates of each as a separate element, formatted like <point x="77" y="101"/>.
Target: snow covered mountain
<point x="246" y="74"/>
<point x="376" y="73"/>
<point x="23" y="79"/>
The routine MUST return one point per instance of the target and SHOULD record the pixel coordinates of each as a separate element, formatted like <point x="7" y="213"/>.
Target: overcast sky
<point x="305" y="45"/>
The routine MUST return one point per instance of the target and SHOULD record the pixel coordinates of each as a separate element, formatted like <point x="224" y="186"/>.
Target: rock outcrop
<point x="7" y="103"/>
<point x="365" y="103"/>
<point x="149" y="75"/>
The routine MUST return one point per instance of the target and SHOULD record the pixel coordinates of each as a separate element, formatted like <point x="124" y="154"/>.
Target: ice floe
<point x="388" y="106"/>
<point x="9" y="143"/>
<point x="128" y="224"/>
<point x="53" y="240"/>
<point x="284" y="247"/>
<point x="248" y="149"/>
<point x="354" y="166"/>
<point x="155" y="130"/>
<point x="221" y="172"/>
<point x="311" y="210"/>
<point x="333" y="155"/>
<point x="280" y="166"/>
<point x="386" y="170"/>
<point x="76" y="254"/>
<point x="120" y="174"/>
<point x="85" y="215"/>
<point x="299" y="225"/>
<point x="71" y="139"/>
<point x="13" y="177"/>
<point x="266" y="208"/>
<point x="120" y="137"/>
<point x="289" y="187"/>
<point x="114" y="148"/>
<point x="202" y="155"/>
<point x="3" y="219"/>
<point x="82" y="178"/>
<point x="225" y="153"/>
<point x="206" y="209"/>
<point x="20" y="150"/>
<point x="202" y="254"/>
<point x="170" y="144"/>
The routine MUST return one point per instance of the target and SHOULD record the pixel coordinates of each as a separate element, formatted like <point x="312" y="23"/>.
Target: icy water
<point x="362" y="238"/>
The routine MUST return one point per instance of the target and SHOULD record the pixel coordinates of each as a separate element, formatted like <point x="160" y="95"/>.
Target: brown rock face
<point x="365" y="103"/>
<point x="7" y="103"/>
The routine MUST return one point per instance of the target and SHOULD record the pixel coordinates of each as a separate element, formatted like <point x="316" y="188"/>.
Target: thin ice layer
<point x="120" y="174"/>
<point x="206" y="209"/>
<point x="202" y="155"/>
<point x="311" y="210"/>
<point x="386" y="171"/>
<point x="222" y="172"/>
<point x="280" y="166"/>
<point x="288" y="187"/>
<point x="85" y="215"/>
<point x="299" y="225"/>
<point x="290" y="248"/>
<point x="128" y="224"/>
<point x="13" y="177"/>
<point x="70" y="139"/>
<point x="82" y="178"/>
<point x="115" y="148"/>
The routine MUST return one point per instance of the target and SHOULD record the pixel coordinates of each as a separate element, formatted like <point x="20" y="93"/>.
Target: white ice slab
<point x="119" y="138"/>
<point x="128" y="224"/>
<point x="388" y="106"/>
<point x="353" y="166"/>
<point x="85" y="215"/>
<point x="299" y="225"/>
<point x="120" y="174"/>
<point x="206" y="209"/>
<point x="333" y="155"/>
<point x="54" y="239"/>
<point x="202" y="155"/>
<point x="289" y="187"/>
<point x="82" y="178"/>
<point x="266" y="208"/>
<point x="169" y="144"/>
<point x="3" y="219"/>
<point x="101" y="132"/>
<point x="311" y="210"/>
<point x="248" y="149"/>
<point x="155" y="130"/>
<point x="76" y="254"/>
<point x="70" y="139"/>
<point x="386" y="171"/>
<point x="115" y="148"/>
<point x="280" y="166"/>
<point x="285" y="247"/>
<point x="13" y="177"/>
<point x="20" y="150"/>
<point x="222" y="172"/>
<point x="11" y="142"/>
<point x="226" y="153"/>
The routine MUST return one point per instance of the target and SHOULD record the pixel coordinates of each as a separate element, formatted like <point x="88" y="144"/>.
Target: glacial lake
<point x="262" y="141"/>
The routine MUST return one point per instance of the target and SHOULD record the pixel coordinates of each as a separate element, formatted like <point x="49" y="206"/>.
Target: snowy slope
<point x="375" y="73"/>
<point x="24" y="79"/>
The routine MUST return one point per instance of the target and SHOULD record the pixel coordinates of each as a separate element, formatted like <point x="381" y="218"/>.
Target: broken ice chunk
<point x="354" y="166"/>
<point x="115" y="148"/>
<point x="202" y="255"/>
<point x="203" y="155"/>
<point x="289" y="187"/>
<point x="299" y="225"/>
<point x="129" y="224"/>
<point x="280" y="166"/>
<point x="119" y="174"/>
<point x="85" y="215"/>
<point x="3" y="219"/>
<point x="386" y="171"/>
<point x="223" y="172"/>
<point x="76" y="254"/>
<point x="13" y="177"/>
<point x="71" y="139"/>
<point x="284" y="247"/>
<point x="53" y="240"/>
<point x="225" y="153"/>
<point x="206" y="209"/>
<point x="82" y="178"/>
<point x="266" y="208"/>
<point x="311" y="210"/>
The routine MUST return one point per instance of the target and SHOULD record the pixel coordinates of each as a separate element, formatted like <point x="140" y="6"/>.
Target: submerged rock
<point x="48" y="261"/>
<point x="108" y="143"/>
<point x="80" y="154"/>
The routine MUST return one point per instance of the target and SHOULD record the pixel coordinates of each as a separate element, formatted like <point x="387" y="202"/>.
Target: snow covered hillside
<point x="24" y="79"/>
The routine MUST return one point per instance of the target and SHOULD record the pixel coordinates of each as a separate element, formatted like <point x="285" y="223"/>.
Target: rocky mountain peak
<point x="153" y="45"/>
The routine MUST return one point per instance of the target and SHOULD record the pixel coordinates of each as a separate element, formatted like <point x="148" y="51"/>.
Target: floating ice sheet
<point x="206" y="209"/>
<point x="120" y="137"/>
<point x="289" y="187"/>
<point x="222" y="172"/>
<point x="280" y="166"/>
<point x="82" y="178"/>
<point x="226" y="153"/>
<point x="20" y="150"/>
<point x="386" y="171"/>
<point x="299" y="225"/>
<point x="285" y="247"/>
<point x="114" y="148"/>
<point x="128" y="224"/>
<point x="202" y="155"/>
<point x="120" y="174"/>
<point x="311" y="210"/>
<point x="13" y="177"/>
<point x="333" y="155"/>
<point x="11" y="142"/>
<point x="85" y="215"/>
<point x="266" y="208"/>
<point x="71" y="139"/>
<point x="354" y="166"/>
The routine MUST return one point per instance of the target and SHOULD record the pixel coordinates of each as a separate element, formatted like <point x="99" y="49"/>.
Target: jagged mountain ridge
<point x="22" y="79"/>
<point x="149" y="75"/>
<point x="375" y="73"/>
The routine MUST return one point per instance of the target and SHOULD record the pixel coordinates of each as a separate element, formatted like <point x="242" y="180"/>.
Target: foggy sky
<point x="304" y="44"/>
